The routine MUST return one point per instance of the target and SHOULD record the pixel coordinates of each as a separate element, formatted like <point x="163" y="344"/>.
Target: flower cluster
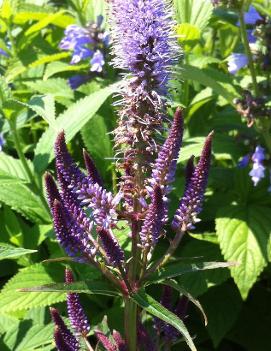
<point x="86" y="43"/>
<point x="86" y="215"/>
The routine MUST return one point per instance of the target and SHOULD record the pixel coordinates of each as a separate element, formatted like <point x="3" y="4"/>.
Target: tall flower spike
<point x="120" y="342"/>
<point x="76" y="313"/>
<point x="165" y="165"/>
<point x="51" y="190"/>
<point x="153" y="222"/>
<point x="91" y="168"/>
<point x="107" y="344"/>
<point x="144" y="46"/>
<point x="63" y="336"/>
<point x="114" y="252"/>
<point x="144" y="339"/>
<point x="190" y="204"/>
<point x="70" y="236"/>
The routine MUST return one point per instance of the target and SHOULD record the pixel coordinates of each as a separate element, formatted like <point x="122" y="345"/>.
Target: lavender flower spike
<point x="51" y="190"/>
<point x="153" y="222"/>
<point x="105" y="341"/>
<point x="91" y="168"/>
<point x="190" y="204"/>
<point x="114" y="252"/>
<point x="76" y="313"/>
<point x="63" y="336"/>
<point x="165" y="165"/>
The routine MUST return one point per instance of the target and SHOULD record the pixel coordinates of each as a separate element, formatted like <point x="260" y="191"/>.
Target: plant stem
<point x="248" y="52"/>
<point x="130" y="324"/>
<point x="164" y="259"/>
<point x="89" y="347"/>
<point x="263" y="125"/>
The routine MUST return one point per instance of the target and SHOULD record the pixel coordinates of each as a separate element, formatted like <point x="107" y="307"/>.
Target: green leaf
<point x="222" y="316"/>
<point x="156" y="309"/>
<point x="207" y="78"/>
<point x="8" y="251"/>
<point x="13" y="167"/>
<point x="195" y="12"/>
<point x="44" y="106"/>
<point x="28" y="337"/>
<point x="13" y="300"/>
<point x="18" y="196"/>
<point x="59" y="66"/>
<point x="72" y="120"/>
<point x="244" y="236"/>
<point x="43" y="23"/>
<point x="177" y="269"/>
<point x="172" y="283"/>
<point x="86" y="287"/>
<point x="187" y="32"/>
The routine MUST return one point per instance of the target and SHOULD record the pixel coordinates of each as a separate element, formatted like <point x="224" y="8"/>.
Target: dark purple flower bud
<point x="244" y="161"/>
<point x="63" y="336"/>
<point x="70" y="235"/>
<point x="152" y="225"/>
<point x="77" y="80"/>
<point x="65" y="164"/>
<point x="165" y="165"/>
<point x="114" y="252"/>
<point x="191" y="202"/>
<point x="182" y="306"/>
<point x="91" y="168"/>
<point x="166" y="301"/>
<point x="51" y="190"/>
<point x="76" y="313"/>
<point x="105" y="341"/>
<point x="144" y="339"/>
<point x="120" y="342"/>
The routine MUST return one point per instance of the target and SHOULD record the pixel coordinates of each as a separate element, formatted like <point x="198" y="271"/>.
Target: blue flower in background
<point x="252" y="16"/>
<point x="236" y="62"/>
<point x="3" y="53"/>
<point x="251" y="37"/>
<point x="97" y="62"/>
<point x="2" y="141"/>
<point x="86" y="43"/>
<point x="258" y="169"/>
<point x="244" y="161"/>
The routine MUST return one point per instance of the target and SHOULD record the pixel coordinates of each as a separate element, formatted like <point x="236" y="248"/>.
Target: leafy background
<point x="36" y="101"/>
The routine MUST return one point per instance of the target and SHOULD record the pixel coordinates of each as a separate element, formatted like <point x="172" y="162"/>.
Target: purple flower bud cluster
<point x="191" y="203"/>
<point x="89" y="43"/>
<point x="118" y="345"/>
<point x="76" y="313"/>
<point x="72" y="225"/>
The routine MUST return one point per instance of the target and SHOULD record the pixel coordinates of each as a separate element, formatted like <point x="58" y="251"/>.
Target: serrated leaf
<point x="13" y="300"/>
<point x="156" y="309"/>
<point x="72" y="120"/>
<point x="44" y="106"/>
<point x="177" y="269"/>
<point x="18" y="196"/>
<point x="8" y="251"/>
<point x="86" y="287"/>
<point x="13" y="167"/>
<point x="187" y="32"/>
<point x="28" y="337"/>
<point x="48" y="58"/>
<point x="244" y="236"/>
<point x="195" y="12"/>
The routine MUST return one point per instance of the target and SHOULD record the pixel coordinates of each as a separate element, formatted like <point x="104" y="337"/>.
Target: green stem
<point x="89" y="347"/>
<point x="130" y="324"/>
<point x="248" y="52"/>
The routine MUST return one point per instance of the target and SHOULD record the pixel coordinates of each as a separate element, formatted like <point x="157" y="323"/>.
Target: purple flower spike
<point x="165" y="165"/>
<point x="120" y="342"/>
<point x="190" y="204"/>
<point x="189" y="170"/>
<point x="114" y="252"/>
<point x="51" y="190"/>
<point x="152" y="226"/>
<point x="236" y="62"/>
<point x="63" y="336"/>
<point x="105" y="341"/>
<point x="91" y="168"/>
<point x="258" y="169"/>
<point x="70" y="236"/>
<point x="65" y="164"/>
<point x="76" y="313"/>
<point x="182" y="306"/>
